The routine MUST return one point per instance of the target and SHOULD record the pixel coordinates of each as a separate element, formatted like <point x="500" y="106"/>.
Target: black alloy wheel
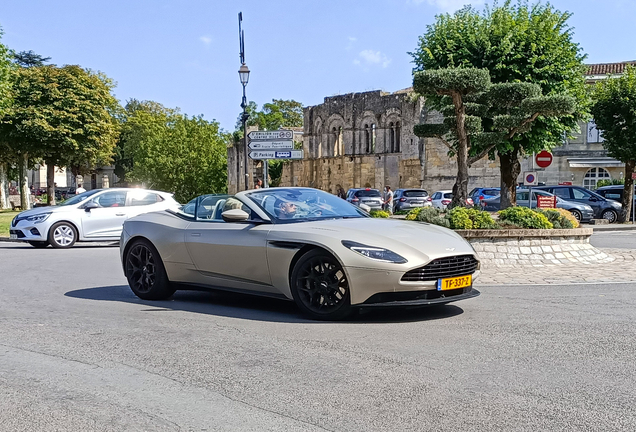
<point x="320" y="287"/>
<point x="145" y="272"/>
<point x="577" y="215"/>
<point x="610" y="215"/>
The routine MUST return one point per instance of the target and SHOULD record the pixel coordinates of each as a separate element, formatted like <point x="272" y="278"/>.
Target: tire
<point x="39" y="244"/>
<point x="610" y="215"/>
<point x="146" y="273"/>
<point x="62" y="235"/>
<point x="320" y="288"/>
<point x="577" y="215"/>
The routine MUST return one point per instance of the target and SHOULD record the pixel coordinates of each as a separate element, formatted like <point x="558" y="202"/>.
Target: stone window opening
<point x="319" y="137"/>
<point x="373" y="137"/>
<point x="593" y="176"/>
<point x="397" y="137"/>
<point x="391" y="138"/>
<point x="367" y="139"/>
<point x="340" y="142"/>
<point x="334" y="132"/>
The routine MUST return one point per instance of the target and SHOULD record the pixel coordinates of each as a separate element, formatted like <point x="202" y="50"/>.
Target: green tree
<point x="63" y="115"/>
<point x="275" y="115"/>
<point x="29" y="59"/>
<point x="171" y="151"/>
<point x="467" y="99"/>
<point x="515" y="43"/>
<point x="6" y="152"/>
<point x="614" y="112"/>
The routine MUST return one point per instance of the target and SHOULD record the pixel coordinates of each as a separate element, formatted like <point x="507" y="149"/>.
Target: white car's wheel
<point x="62" y="235"/>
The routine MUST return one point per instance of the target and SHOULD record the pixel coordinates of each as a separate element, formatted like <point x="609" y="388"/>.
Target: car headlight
<point x="38" y="217"/>
<point x="588" y="208"/>
<point x="375" y="253"/>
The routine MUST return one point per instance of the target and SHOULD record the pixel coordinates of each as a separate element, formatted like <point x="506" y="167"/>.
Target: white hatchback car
<point x="96" y="215"/>
<point x="441" y="199"/>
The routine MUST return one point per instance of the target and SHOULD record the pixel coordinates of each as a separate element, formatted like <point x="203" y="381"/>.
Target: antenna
<point x="241" y="38"/>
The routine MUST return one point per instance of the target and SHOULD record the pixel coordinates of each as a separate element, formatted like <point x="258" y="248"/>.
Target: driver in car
<point x="286" y="210"/>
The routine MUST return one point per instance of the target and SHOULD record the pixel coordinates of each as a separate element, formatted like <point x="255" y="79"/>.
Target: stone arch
<point x="335" y="130"/>
<point x="364" y="126"/>
<point x="317" y="138"/>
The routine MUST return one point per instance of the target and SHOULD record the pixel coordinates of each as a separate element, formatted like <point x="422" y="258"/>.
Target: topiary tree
<point x="614" y="112"/>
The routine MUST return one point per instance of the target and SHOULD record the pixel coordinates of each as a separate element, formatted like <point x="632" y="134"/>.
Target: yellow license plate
<point x="454" y="283"/>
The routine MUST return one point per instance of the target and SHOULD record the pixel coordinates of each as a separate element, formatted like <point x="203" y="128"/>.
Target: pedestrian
<point x="388" y="199"/>
<point x="258" y="184"/>
<point x="79" y="189"/>
<point x="341" y="193"/>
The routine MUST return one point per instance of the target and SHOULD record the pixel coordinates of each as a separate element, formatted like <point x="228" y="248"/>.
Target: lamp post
<point x="244" y="75"/>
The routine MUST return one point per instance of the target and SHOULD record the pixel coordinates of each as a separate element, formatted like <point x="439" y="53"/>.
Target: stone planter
<point x="538" y="248"/>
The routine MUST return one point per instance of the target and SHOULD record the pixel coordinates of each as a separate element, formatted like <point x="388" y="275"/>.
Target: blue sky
<point x="185" y="53"/>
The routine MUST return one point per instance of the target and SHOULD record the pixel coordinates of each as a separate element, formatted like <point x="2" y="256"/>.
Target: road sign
<point x="544" y="201"/>
<point x="272" y="154"/>
<point x="278" y="135"/>
<point x="271" y="145"/>
<point x="530" y="178"/>
<point x="543" y="159"/>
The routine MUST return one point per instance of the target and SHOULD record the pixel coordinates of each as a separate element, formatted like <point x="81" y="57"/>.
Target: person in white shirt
<point x="388" y="199"/>
<point x="79" y="189"/>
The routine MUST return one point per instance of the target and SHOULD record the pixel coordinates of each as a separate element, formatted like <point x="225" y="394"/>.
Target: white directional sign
<point x="272" y="154"/>
<point x="278" y="135"/>
<point x="271" y="145"/>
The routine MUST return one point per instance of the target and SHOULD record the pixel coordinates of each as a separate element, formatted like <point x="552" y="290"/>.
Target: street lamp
<point x="244" y="75"/>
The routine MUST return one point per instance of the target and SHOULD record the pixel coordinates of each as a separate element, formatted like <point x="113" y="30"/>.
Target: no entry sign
<point x="543" y="159"/>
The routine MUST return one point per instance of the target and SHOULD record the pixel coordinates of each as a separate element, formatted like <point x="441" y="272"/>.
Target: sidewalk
<point x="614" y="227"/>
<point x="622" y="269"/>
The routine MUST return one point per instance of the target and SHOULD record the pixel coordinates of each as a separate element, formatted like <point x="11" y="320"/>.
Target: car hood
<point x="417" y="242"/>
<point x="49" y="209"/>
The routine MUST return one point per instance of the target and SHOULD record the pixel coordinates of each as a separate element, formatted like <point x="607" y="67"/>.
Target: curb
<point x="8" y="240"/>
<point x="600" y="228"/>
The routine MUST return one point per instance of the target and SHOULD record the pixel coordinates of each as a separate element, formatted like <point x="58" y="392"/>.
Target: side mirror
<point x="593" y="199"/>
<point x="365" y="207"/>
<point x="235" y="215"/>
<point x="89" y="206"/>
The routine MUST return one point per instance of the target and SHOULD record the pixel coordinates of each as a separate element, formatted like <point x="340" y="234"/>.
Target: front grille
<point x="443" y="268"/>
<point x="402" y="296"/>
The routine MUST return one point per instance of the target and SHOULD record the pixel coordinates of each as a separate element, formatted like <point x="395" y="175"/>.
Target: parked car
<point x="367" y="196"/>
<point x="441" y="199"/>
<point x="297" y="244"/>
<point x="615" y="193"/>
<point x="603" y="208"/>
<point x="95" y="215"/>
<point x="479" y="194"/>
<point x="582" y="212"/>
<point x="407" y="199"/>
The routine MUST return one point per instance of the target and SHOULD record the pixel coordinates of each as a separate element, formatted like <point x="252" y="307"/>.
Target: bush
<point x="609" y="182"/>
<point x="379" y="214"/>
<point x="431" y="215"/>
<point x="412" y="214"/>
<point x="524" y="217"/>
<point x="470" y="218"/>
<point x="560" y="218"/>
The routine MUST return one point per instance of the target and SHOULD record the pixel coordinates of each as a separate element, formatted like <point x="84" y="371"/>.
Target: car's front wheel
<point x="319" y="286"/>
<point x="146" y="273"/>
<point x="62" y="235"/>
<point x="610" y="215"/>
<point x="577" y="215"/>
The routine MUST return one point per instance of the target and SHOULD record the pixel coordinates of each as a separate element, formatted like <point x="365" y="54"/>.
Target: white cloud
<point x="352" y="41"/>
<point x="370" y="57"/>
<point x="206" y="40"/>
<point x="448" y="5"/>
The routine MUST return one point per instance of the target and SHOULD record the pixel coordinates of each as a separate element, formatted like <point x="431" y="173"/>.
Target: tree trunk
<point x="50" y="183"/>
<point x="25" y="202"/>
<point x="509" y="168"/>
<point x="4" y="187"/>
<point x="460" y="189"/>
<point x="628" y="192"/>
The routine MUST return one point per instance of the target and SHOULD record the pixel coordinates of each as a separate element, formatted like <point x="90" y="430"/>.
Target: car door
<point x="582" y="196"/>
<point x="107" y="219"/>
<point x="230" y="254"/>
<point x="436" y="200"/>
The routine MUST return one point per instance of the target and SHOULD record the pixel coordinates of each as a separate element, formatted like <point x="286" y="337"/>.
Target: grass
<point x="5" y="221"/>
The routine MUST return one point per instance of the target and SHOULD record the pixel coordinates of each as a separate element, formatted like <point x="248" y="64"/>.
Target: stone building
<point x="366" y="140"/>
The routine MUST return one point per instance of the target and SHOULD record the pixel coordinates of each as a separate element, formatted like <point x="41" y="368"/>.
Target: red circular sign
<point x="543" y="159"/>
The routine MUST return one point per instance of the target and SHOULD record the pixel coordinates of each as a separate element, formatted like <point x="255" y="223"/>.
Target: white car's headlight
<point x="374" y="253"/>
<point x="38" y="217"/>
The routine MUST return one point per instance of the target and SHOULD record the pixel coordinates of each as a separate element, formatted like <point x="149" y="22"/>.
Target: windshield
<point x="368" y="193"/>
<point x="79" y="198"/>
<point x="299" y="205"/>
<point x="415" y="193"/>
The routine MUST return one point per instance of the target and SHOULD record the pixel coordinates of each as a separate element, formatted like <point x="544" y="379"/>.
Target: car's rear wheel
<point x="610" y="215"/>
<point x="577" y="215"/>
<point x="39" y="244"/>
<point x="146" y="273"/>
<point x="62" y="235"/>
<point x="320" y="287"/>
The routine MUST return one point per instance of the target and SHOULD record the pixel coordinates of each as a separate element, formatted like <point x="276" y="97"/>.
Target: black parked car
<point x="603" y="208"/>
<point x="615" y="193"/>
<point x="407" y="199"/>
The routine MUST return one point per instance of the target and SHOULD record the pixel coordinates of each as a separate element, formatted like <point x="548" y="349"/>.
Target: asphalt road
<point x="614" y="239"/>
<point x="79" y="352"/>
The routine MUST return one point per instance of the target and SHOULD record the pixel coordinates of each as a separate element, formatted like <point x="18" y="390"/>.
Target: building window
<point x="391" y="138"/>
<point x="593" y="176"/>
<point x="319" y="139"/>
<point x="373" y="136"/>
<point x="367" y="139"/>
<point x="397" y="137"/>
<point x="334" y="137"/>
<point x="594" y="135"/>
<point x="340" y="142"/>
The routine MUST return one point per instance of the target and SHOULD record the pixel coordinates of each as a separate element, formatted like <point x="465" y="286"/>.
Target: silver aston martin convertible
<point x="297" y="244"/>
